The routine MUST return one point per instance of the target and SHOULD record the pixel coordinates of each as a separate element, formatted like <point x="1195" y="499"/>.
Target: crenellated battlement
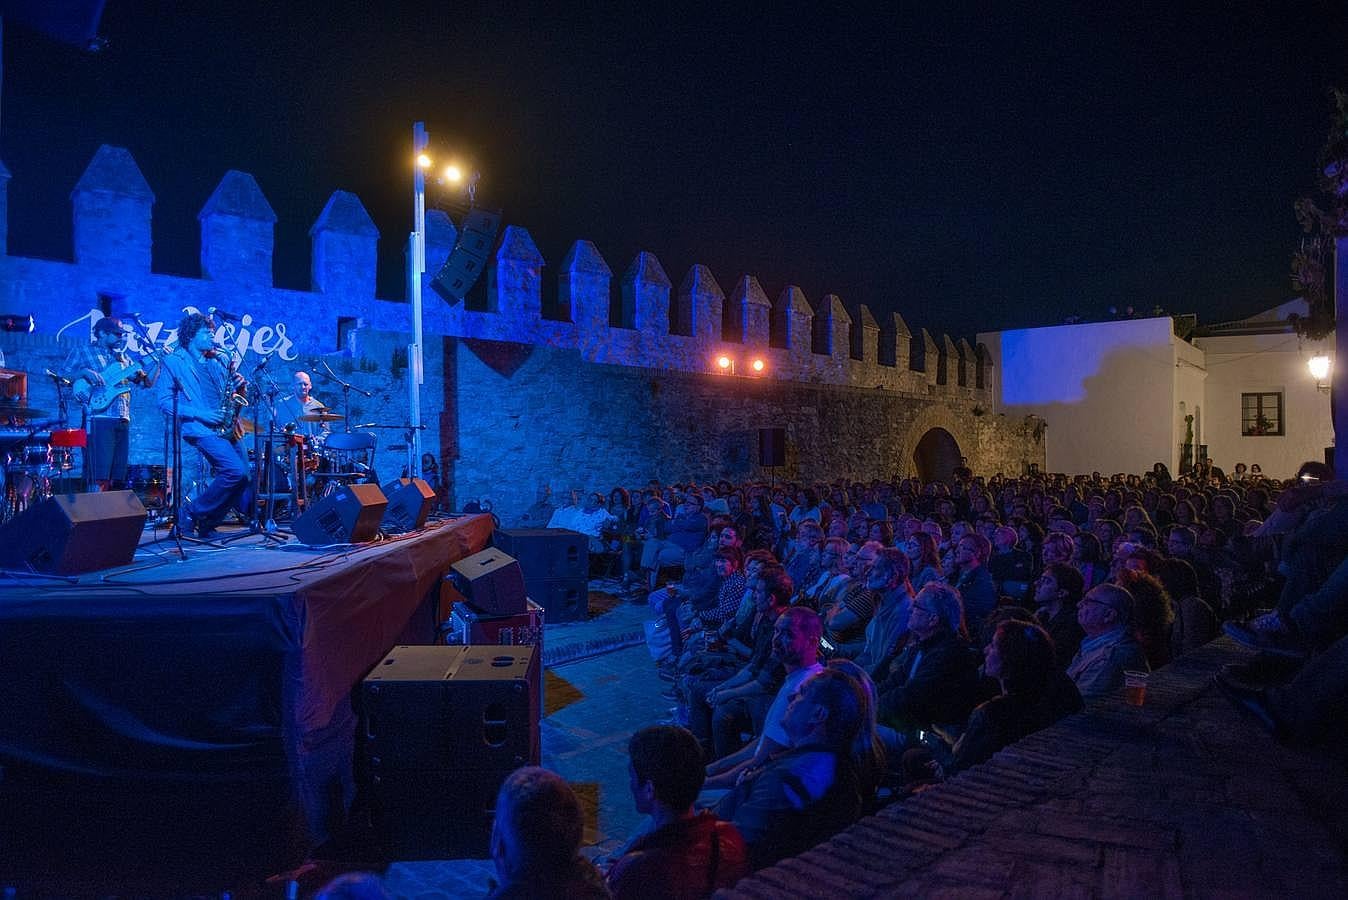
<point x="642" y="321"/>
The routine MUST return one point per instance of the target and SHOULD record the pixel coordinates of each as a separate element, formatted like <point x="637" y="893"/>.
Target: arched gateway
<point x="936" y="455"/>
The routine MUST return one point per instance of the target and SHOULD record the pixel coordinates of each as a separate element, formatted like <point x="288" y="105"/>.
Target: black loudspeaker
<point x="73" y="533"/>
<point x="546" y="552"/>
<point x="409" y="504"/>
<point x="771" y="447"/>
<point x="492" y="581"/>
<point x="562" y="599"/>
<point x="469" y="256"/>
<point x="349" y="515"/>
<point x="442" y="727"/>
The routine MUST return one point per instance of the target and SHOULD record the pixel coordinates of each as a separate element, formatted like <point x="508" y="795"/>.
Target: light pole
<point x="417" y="266"/>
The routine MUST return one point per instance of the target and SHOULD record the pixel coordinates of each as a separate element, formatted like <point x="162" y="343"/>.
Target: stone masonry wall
<point x="532" y="416"/>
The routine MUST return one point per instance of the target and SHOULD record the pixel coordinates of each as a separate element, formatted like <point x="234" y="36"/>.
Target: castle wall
<point x="606" y="392"/>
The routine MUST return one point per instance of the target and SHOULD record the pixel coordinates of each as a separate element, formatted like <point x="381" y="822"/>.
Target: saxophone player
<point x="208" y="403"/>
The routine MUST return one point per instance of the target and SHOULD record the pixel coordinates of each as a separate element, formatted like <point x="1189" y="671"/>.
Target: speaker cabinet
<point x="562" y="599"/>
<point x="73" y="533"/>
<point x="349" y="515"/>
<point x="546" y="552"/>
<point x="771" y="447"/>
<point x="491" y="580"/>
<point x="442" y="727"/>
<point x="409" y="504"/>
<point x="466" y="261"/>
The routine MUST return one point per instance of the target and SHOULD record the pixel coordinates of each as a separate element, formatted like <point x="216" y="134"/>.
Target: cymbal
<point x="320" y="417"/>
<point x="24" y="412"/>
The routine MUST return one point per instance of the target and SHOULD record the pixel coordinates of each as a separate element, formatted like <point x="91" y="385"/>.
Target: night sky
<point x="971" y="169"/>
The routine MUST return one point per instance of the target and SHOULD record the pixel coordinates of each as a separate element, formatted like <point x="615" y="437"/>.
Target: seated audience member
<point x="934" y="678"/>
<point x="1034" y="693"/>
<point x="1310" y="707"/>
<point x="845" y="621"/>
<point x="973" y="581"/>
<point x="795" y="646"/>
<point x="888" y="580"/>
<point x="590" y="518"/>
<point x="540" y="512"/>
<point x="868" y="750"/>
<point x="802" y="562"/>
<point x="1009" y="563"/>
<point x="1056" y="594"/>
<point x="1058" y="548"/>
<point x="808" y="793"/>
<point x="1182" y="543"/>
<point x="1087" y="559"/>
<point x="1108" y="649"/>
<point x="751" y="688"/>
<point x="1194" y="621"/>
<point x="924" y="558"/>
<point x="681" y="535"/>
<point x="1153" y="615"/>
<point x="535" y="841"/>
<point x="825" y="589"/>
<point x="686" y="854"/>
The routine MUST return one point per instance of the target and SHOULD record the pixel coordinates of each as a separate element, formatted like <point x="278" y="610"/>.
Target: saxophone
<point x="232" y="403"/>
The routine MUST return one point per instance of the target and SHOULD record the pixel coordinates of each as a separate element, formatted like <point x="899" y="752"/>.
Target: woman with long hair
<point x="925" y="558"/>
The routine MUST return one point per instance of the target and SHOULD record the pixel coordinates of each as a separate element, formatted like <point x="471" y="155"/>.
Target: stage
<point x="198" y="711"/>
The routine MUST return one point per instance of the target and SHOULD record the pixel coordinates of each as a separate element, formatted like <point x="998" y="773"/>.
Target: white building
<point x="1116" y="395"/>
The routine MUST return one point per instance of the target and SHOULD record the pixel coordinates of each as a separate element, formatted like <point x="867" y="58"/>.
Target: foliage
<point x="1313" y="261"/>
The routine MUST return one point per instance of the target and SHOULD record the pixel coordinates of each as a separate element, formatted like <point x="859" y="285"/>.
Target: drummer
<point x="300" y="403"/>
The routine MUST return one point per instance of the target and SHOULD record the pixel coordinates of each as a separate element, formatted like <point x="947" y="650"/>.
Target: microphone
<point x="227" y="316"/>
<point x="262" y="365"/>
<point x="135" y="317"/>
<point x="59" y="379"/>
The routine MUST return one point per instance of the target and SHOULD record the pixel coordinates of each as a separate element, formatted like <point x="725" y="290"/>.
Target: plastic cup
<point x="1135" y="687"/>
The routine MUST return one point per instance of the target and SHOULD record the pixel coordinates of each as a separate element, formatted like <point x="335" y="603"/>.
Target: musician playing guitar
<point x="103" y="373"/>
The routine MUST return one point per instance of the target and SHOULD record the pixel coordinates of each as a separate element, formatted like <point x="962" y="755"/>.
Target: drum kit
<point x="39" y="462"/>
<point x="308" y="467"/>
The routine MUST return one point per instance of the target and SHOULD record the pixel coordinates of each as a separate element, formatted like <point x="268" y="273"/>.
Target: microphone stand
<point x="176" y="443"/>
<point x="347" y="387"/>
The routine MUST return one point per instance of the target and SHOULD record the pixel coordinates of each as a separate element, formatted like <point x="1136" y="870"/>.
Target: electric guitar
<point x="98" y="397"/>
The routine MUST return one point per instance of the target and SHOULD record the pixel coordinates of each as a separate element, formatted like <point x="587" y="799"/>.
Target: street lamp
<point x="417" y="267"/>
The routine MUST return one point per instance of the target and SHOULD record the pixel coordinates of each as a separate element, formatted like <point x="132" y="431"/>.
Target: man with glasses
<point x="934" y="678"/>
<point x="1108" y="649"/>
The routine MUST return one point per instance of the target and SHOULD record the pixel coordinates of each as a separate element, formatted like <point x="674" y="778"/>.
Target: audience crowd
<point x="829" y="648"/>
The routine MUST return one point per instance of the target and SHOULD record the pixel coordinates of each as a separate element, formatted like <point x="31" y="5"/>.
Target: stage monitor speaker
<point x="771" y="447"/>
<point x="466" y="261"/>
<point x="492" y="581"/>
<point x="349" y="515"/>
<point x="546" y="552"/>
<point x="442" y="728"/>
<point x="563" y="599"/>
<point x="72" y="533"/>
<point x="409" y="504"/>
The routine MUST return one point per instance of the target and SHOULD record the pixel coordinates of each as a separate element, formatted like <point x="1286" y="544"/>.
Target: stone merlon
<point x="237" y="232"/>
<point x="583" y="287"/>
<point x="752" y="309"/>
<point x="645" y="295"/>
<point x="111" y="204"/>
<point x="793" y="321"/>
<point x="701" y="300"/>
<point x="345" y="243"/>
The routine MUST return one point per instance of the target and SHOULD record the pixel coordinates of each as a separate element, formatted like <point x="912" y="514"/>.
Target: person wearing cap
<point x="1105" y="615"/>
<point x="108" y="428"/>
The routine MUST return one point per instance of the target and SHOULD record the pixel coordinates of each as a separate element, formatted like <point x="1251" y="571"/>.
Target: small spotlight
<point x="723" y="362"/>
<point x="453" y="174"/>
<point x="423" y="161"/>
<point x="13" y="322"/>
<point x="758" y="365"/>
